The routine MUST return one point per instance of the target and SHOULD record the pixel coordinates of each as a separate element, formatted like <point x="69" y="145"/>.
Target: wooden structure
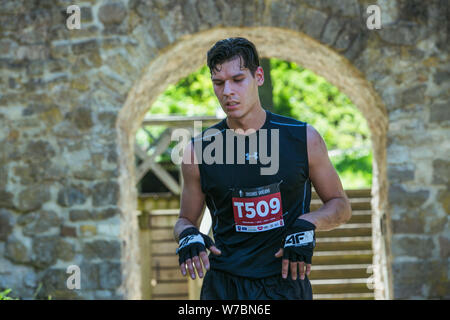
<point x="341" y="264"/>
<point x="161" y="145"/>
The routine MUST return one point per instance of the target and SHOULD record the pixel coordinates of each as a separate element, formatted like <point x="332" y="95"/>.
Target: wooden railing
<point x="161" y="144"/>
<point x="341" y="263"/>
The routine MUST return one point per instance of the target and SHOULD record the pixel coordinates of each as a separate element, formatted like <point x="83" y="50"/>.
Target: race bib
<point x="257" y="209"/>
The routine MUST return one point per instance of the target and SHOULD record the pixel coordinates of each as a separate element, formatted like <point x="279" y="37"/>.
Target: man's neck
<point x="253" y="120"/>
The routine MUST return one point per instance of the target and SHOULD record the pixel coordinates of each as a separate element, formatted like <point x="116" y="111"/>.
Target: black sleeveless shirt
<point x="248" y="248"/>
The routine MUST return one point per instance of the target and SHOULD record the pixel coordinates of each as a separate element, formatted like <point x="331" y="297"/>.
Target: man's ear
<point x="259" y="76"/>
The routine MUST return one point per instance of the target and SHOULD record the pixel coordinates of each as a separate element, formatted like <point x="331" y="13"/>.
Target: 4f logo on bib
<point x="257" y="209"/>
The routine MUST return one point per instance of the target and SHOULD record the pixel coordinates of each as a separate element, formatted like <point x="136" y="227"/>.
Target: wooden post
<point x="145" y="245"/>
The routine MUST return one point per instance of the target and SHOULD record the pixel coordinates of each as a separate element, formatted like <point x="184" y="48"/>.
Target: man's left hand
<point x="297" y="248"/>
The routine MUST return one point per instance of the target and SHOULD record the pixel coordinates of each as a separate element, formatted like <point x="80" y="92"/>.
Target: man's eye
<point x="238" y="80"/>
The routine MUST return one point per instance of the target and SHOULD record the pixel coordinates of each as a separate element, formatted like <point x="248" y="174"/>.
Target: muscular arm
<point x="336" y="209"/>
<point x="192" y="197"/>
<point x="192" y="204"/>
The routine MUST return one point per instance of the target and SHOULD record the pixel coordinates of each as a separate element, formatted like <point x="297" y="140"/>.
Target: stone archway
<point x="189" y="54"/>
<point x="71" y="101"/>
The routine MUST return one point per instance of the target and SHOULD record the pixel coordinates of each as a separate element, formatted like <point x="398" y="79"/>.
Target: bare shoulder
<point x="189" y="166"/>
<point x="317" y="148"/>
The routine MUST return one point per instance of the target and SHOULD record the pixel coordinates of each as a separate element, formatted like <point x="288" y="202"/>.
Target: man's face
<point x="236" y="89"/>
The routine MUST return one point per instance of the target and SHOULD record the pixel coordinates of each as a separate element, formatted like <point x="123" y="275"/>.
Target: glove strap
<point x="190" y="239"/>
<point x="299" y="239"/>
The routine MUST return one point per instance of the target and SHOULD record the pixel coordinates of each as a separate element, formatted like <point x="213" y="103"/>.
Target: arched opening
<point x="186" y="56"/>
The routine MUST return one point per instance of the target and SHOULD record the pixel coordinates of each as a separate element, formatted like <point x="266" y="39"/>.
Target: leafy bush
<point x="4" y="295"/>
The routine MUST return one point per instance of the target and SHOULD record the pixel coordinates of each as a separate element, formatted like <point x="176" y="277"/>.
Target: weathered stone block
<point x="444" y="199"/>
<point x="79" y="215"/>
<point x="280" y="13"/>
<point x="81" y="117"/>
<point x="413" y="246"/>
<point x="398" y="174"/>
<point x="54" y="283"/>
<point x="87" y="46"/>
<point x="409" y="279"/>
<point x="442" y="77"/>
<point x="68" y="231"/>
<point x="102" y="249"/>
<point x="72" y="195"/>
<point x="444" y="245"/>
<point x="398" y="196"/>
<point x="439" y="112"/>
<point x="6" y="199"/>
<point x="32" y="198"/>
<point x="312" y="21"/>
<point x="89" y="275"/>
<point x="6" y="224"/>
<point x="39" y="222"/>
<point x="39" y="151"/>
<point x="17" y="251"/>
<point x="88" y="230"/>
<point x="102" y="214"/>
<point x="65" y="250"/>
<point x="105" y="193"/>
<point x="415" y="95"/>
<point x="441" y="171"/>
<point x="44" y="251"/>
<point x="343" y="7"/>
<point x="112" y="13"/>
<point x="401" y="33"/>
<point x="110" y="275"/>
<point x="410" y="222"/>
<point x="332" y="29"/>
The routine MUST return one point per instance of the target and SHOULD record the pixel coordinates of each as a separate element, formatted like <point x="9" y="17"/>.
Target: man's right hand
<point x="192" y="249"/>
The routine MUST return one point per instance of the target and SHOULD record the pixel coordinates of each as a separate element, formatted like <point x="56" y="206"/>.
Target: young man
<point x="262" y="226"/>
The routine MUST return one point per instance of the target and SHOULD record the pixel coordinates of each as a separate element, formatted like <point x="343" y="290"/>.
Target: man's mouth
<point x="232" y="104"/>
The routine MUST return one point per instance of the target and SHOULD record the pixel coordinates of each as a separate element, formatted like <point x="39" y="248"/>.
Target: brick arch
<point x="187" y="55"/>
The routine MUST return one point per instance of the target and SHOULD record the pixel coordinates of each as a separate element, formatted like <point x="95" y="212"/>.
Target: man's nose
<point x="227" y="90"/>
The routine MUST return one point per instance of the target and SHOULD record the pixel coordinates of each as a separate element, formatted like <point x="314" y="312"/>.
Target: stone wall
<point x="72" y="100"/>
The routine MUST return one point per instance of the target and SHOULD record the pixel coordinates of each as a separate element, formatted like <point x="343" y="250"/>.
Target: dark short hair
<point x="231" y="48"/>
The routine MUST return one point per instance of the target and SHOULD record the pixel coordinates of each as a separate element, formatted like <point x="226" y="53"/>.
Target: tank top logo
<point x="257" y="209"/>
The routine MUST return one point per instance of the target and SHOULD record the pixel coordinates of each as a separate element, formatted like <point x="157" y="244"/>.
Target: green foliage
<point x="303" y="95"/>
<point x="193" y="95"/>
<point x="4" y="295"/>
<point x="297" y="93"/>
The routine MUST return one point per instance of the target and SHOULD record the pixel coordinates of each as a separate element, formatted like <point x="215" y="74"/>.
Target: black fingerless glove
<point x="299" y="241"/>
<point x="192" y="242"/>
